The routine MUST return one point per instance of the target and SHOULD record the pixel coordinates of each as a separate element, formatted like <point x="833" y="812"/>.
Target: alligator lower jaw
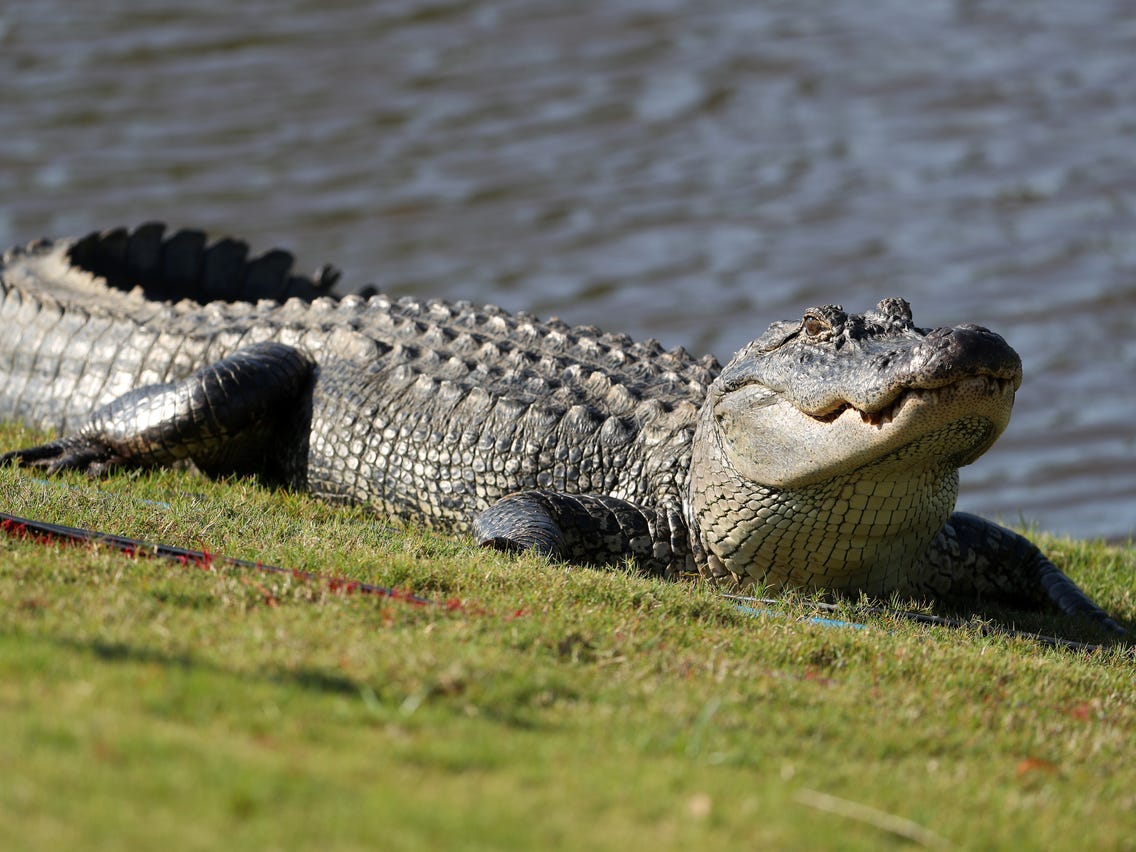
<point x="979" y="389"/>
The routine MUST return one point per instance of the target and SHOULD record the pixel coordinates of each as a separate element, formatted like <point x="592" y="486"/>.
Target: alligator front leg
<point x="221" y="418"/>
<point x="586" y="528"/>
<point x="975" y="558"/>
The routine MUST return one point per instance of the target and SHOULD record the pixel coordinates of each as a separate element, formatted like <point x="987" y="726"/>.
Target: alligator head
<point x="839" y="437"/>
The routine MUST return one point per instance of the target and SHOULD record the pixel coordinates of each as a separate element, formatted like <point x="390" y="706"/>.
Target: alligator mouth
<point x="982" y="386"/>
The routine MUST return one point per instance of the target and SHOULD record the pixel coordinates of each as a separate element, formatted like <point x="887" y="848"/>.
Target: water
<point x="685" y="171"/>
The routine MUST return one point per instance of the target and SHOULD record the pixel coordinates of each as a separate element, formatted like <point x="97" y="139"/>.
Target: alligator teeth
<point x="885" y="415"/>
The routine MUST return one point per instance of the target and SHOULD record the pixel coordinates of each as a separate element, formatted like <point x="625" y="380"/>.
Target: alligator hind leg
<point x="975" y="558"/>
<point x="586" y="528"/>
<point x="222" y="418"/>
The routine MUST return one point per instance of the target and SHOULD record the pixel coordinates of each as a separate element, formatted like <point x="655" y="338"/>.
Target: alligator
<point x="823" y="457"/>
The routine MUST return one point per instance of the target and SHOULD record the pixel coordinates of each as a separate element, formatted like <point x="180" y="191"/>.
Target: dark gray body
<point x="147" y="349"/>
<point x="428" y="412"/>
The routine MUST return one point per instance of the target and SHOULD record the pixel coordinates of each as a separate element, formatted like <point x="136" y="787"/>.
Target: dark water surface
<point x="687" y="171"/>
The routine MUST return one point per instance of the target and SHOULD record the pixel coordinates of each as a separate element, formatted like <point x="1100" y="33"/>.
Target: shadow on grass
<point x="514" y="704"/>
<point x="1077" y="633"/>
<point x="120" y="652"/>
<point x="1071" y="633"/>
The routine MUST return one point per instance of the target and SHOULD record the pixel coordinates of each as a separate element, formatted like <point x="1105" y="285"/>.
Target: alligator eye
<point x="815" y="326"/>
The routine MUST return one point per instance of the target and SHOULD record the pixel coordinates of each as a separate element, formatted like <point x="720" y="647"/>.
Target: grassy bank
<point x="147" y="704"/>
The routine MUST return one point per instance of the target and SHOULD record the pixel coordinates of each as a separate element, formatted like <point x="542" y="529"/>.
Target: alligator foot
<point x="586" y="528"/>
<point x="72" y="453"/>
<point x="975" y="558"/>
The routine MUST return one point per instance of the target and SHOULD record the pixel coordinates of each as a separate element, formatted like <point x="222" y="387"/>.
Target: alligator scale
<point x="825" y="455"/>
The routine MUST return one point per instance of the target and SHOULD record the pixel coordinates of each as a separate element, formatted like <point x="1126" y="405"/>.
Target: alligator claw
<point x="63" y="454"/>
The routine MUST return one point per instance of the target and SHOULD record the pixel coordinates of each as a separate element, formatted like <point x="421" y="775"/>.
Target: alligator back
<point x="565" y="407"/>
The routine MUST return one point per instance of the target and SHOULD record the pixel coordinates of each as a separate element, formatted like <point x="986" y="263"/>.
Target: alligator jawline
<point x="994" y="387"/>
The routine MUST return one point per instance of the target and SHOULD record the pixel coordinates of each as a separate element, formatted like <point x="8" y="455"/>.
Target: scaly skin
<point x="825" y="455"/>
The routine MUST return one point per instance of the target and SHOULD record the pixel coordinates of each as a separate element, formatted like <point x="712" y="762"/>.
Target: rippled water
<point x="688" y="171"/>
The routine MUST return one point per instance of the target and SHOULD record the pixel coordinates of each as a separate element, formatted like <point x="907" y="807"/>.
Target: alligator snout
<point x="951" y="353"/>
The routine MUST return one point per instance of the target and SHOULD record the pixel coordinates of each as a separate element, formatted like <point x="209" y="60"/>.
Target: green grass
<point x="149" y="705"/>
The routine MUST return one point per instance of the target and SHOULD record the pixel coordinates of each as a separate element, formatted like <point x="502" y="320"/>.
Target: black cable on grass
<point x="18" y="527"/>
